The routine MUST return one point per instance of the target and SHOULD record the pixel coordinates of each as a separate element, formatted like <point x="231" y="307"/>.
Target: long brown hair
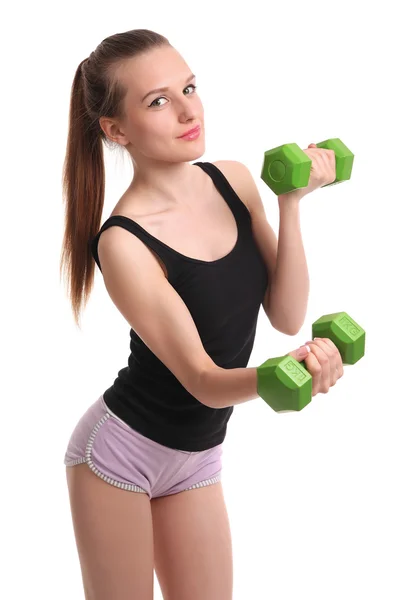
<point x="95" y="92"/>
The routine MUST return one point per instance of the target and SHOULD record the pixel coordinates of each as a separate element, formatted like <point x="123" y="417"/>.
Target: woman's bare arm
<point x="138" y="287"/>
<point x="227" y="387"/>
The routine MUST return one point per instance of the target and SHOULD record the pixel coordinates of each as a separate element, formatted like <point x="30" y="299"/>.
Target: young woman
<point x="188" y="258"/>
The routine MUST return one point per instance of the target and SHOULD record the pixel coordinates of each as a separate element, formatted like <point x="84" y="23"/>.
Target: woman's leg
<point x="192" y="544"/>
<point x="114" y="537"/>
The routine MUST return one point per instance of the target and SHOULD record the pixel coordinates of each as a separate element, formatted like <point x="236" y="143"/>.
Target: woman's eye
<point x="192" y="86"/>
<point x="161" y="97"/>
<point x="156" y="100"/>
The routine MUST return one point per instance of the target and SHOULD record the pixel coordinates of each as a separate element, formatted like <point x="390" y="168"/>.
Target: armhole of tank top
<point x="166" y="268"/>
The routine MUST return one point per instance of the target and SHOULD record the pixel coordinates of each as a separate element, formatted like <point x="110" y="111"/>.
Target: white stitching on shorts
<point x="131" y="487"/>
<point x="204" y="483"/>
<point x="77" y="461"/>
<point x="125" y="486"/>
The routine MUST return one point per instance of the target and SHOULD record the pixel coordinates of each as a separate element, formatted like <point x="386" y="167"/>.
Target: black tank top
<point x="224" y="297"/>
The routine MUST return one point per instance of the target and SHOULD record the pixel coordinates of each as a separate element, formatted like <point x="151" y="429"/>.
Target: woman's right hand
<point x="323" y="362"/>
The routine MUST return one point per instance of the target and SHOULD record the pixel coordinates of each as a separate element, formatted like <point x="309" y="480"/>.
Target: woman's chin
<point x="193" y="150"/>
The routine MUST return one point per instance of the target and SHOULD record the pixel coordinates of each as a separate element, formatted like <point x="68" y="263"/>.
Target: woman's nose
<point x="187" y="110"/>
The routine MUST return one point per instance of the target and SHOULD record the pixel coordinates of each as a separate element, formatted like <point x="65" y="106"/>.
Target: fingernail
<point x="305" y="349"/>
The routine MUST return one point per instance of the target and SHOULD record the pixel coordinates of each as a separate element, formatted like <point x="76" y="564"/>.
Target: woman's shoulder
<point x="238" y="176"/>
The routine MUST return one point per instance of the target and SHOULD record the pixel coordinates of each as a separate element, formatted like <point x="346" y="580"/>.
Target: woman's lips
<point x="193" y="134"/>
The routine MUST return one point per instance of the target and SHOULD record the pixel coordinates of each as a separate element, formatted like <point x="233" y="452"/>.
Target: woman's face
<point x="155" y="119"/>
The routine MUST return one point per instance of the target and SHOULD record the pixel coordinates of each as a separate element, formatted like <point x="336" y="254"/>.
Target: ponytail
<point x="96" y="92"/>
<point x="83" y="194"/>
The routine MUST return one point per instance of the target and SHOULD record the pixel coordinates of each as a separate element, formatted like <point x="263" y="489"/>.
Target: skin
<point x="150" y="133"/>
<point x="324" y="363"/>
<point x="162" y="171"/>
<point x="121" y="537"/>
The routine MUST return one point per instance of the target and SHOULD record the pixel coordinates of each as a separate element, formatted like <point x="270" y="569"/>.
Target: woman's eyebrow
<point x="165" y="89"/>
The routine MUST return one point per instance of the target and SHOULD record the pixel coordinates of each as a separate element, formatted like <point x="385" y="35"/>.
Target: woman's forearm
<point x="288" y="297"/>
<point x="220" y="388"/>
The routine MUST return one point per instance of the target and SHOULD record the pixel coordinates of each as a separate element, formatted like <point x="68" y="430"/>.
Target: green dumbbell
<point x="286" y="385"/>
<point x="287" y="168"/>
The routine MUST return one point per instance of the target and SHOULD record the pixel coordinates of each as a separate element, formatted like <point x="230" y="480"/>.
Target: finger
<point x="331" y="155"/>
<point x="324" y="161"/>
<point x="299" y="354"/>
<point x="324" y="361"/>
<point x="337" y="355"/>
<point x="314" y="368"/>
<point x="339" y="373"/>
<point x="330" y="350"/>
<point x="319" y="165"/>
<point x="328" y="155"/>
<point x="329" y="160"/>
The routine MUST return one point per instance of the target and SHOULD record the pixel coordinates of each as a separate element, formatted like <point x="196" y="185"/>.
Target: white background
<point x="313" y="497"/>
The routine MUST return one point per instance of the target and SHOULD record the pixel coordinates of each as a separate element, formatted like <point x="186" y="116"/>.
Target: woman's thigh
<point x="114" y="470"/>
<point x="192" y="545"/>
<point x="114" y="537"/>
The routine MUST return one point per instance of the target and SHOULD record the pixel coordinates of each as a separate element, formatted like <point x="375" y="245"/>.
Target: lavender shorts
<point x="126" y="459"/>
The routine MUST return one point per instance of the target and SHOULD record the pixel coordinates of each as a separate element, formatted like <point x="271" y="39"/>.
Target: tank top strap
<point x="165" y="253"/>
<point x="170" y="257"/>
<point x="226" y="190"/>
